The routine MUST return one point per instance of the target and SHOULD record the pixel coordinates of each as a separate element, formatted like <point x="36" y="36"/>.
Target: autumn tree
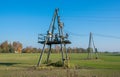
<point x="11" y="49"/>
<point x="17" y="46"/>
<point x="28" y="50"/>
<point x="57" y="48"/>
<point x="69" y="49"/>
<point x="4" y="47"/>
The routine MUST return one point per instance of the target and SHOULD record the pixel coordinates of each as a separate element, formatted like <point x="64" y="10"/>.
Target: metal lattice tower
<point x="92" y="49"/>
<point x="53" y="37"/>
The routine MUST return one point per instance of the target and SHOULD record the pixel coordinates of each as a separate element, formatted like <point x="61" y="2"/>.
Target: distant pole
<point x="95" y="49"/>
<point x="90" y="40"/>
<point x="90" y="46"/>
<point x="92" y="49"/>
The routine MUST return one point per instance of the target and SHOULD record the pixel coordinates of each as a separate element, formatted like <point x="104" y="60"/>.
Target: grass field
<point x="23" y="65"/>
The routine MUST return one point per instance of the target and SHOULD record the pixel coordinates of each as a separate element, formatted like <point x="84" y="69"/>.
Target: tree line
<point x="17" y="47"/>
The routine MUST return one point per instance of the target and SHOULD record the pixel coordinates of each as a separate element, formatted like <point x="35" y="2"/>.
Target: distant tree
<point x="27" y="50"/>
<point x="52" y="50"/>
<point x="69" y="49"/>
<point x="82" y="50"/>
<point x="106" y="52"/>
<point x="39" y="50"/>
<point x="57" y="49"/>
<point x="17" y="46"/>
<point x="46" y="50"/>
<point x="0" y="49"/>
<point x="4" y="47"/>
<point x="35" y="50"/>
<point x="89" y="50"/>
<point x="75" y="50"/>
<point x="11" y="49"/>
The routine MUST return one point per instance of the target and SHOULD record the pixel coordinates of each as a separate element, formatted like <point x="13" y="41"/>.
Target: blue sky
<point x="22" y="20"/>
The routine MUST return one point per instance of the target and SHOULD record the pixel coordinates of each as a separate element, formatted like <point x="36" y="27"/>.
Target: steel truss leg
<point x="89" y="53"/>
<point x="96" y="53"/>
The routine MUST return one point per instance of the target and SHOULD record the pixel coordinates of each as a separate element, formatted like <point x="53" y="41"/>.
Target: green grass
<point x="104" y="62"/>
<point x="22" y="65"/>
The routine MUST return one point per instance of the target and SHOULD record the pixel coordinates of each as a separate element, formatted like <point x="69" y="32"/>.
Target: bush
<point x="45" y="62"/>
<point x="57" y="64"/>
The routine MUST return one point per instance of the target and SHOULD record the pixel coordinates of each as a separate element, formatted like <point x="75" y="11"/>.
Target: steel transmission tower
<point x="91" y="49"/>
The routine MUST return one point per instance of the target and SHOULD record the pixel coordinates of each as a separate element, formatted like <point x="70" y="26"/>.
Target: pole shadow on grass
<point x="8" y="64"/>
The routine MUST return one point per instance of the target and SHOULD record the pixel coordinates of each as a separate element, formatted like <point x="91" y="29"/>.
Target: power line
<point x="94" y="34"/>
<point x="107" y="36"/>
<point x="75" y="34"/>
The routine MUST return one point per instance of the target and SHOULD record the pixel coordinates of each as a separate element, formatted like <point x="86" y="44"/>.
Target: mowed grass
<point x="22" y="65"/>
<point x="105" y="61"/>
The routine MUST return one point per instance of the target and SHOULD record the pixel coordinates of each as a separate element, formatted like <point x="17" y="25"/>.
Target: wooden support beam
<point x="39" y="61"/>
<point x="49" y="52"/>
